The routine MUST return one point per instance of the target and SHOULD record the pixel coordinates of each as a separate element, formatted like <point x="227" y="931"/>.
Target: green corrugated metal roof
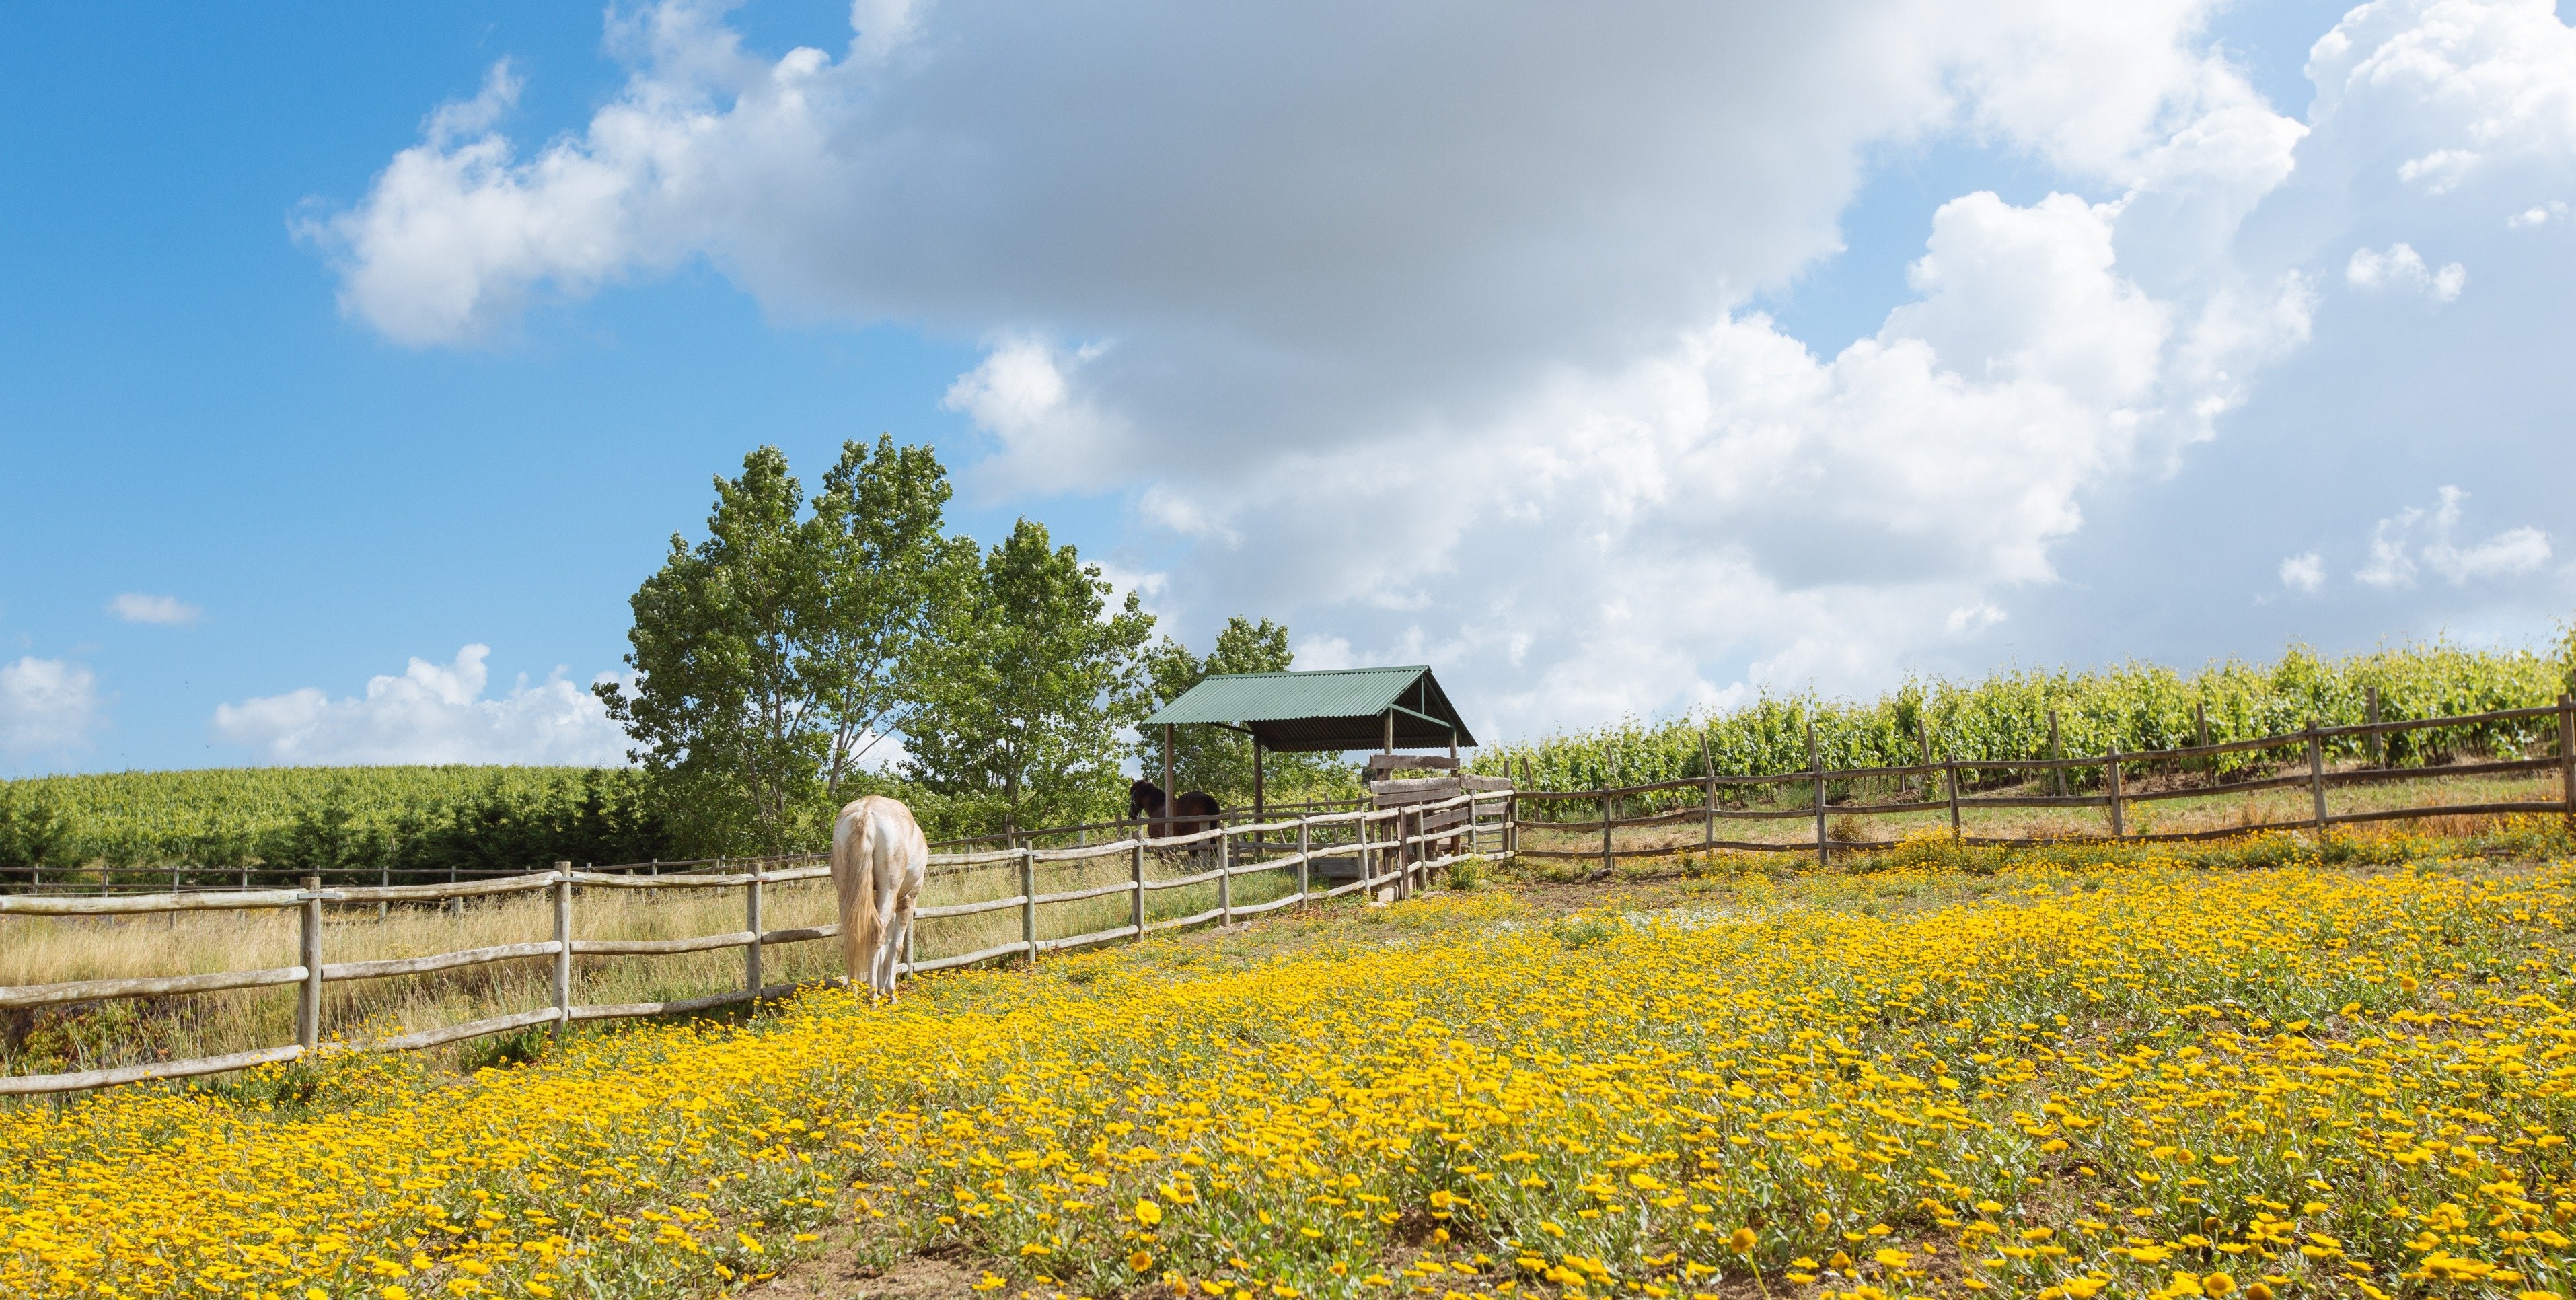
<point x="1267" y="697"/>
<point x="1329" y="709"/>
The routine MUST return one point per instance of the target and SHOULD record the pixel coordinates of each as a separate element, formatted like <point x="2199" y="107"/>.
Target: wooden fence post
<point x="2111" y="785"/>
<point x="1136" y="864"/>
<point x="1950" y="767"/>
<point x="1404" y="848"/>
<point x="2567" y="758"/>
<point x="1305" y="866"/>
<point x="2317" y="774"/>
<point x="752" y="913"/>
<point x="308" y="1002"/>
<point x="1029" y="904"/>
<point x="563" y="949"/>
<point x="2370" y="703"/>
<point x="2200" y="719"/>
<point x="1224" y="877"/>
<point x="1816" y="764"/>
<point x="1708" y="814"/>
<point x="1422" y="851"/>
<point x="1512" y="806"/>
<point x="2056" y="775"/>
<point x="1605" y="826"/>
<point x="1923" y="755"/>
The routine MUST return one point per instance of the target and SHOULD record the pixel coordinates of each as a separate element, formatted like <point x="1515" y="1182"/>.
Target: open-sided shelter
<point x="1331" y="709"/>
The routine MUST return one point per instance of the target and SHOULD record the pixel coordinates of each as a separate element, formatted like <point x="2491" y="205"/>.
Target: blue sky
<point x="1337" y="322"/>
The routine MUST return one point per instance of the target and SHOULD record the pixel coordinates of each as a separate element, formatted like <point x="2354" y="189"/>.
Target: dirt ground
<point x="847" y="1274"/>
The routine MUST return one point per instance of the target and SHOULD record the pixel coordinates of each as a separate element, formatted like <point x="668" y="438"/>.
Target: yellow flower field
<point x="2049" y="1084"/>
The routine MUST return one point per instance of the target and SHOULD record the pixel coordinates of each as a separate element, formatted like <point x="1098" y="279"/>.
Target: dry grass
<point x="80" y="1036"/>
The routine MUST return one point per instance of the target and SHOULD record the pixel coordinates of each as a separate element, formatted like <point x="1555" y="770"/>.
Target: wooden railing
<point x="1958" y="779"/>
<point x="1388" y="850"/>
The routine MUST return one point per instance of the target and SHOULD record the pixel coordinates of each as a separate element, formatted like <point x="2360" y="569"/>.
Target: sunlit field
<point x="2035" y="1077"/>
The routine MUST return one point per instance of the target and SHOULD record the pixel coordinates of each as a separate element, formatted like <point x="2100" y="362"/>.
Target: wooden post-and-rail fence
<point x="2117" y="796"/>
<point x="1387" y="850"/>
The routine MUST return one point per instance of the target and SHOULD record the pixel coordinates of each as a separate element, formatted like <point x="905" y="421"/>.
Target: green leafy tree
<point x="1038" y="676"/>
<point x="773" y="654"/>
<point x="34" y="833"/>
<point x="877" y="527"/>
<point x="1220" y="761"/>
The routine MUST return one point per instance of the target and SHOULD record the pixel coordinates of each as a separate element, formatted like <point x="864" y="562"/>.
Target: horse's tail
<point x="854" y="885"/>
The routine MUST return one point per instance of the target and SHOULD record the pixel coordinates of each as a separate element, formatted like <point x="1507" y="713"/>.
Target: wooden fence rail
<point x="1957" y="796"/>
<point x="1392" y="851"/>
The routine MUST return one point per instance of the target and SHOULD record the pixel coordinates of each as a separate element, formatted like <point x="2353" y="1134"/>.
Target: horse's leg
<point x="889" y="940"/>
<point x="894" y="952"/>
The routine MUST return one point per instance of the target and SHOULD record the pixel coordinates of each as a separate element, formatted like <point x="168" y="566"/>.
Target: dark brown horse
<point x="1197" y="809"/>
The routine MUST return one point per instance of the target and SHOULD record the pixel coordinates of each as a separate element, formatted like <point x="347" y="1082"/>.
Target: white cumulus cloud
<point x="1439" y="367"/>
<point x="2304" y="573"/>
<point x="2402" y="268"/>
<point x="2462" y="85"/>
<point x="432" y="713"/>
<point x="2415" y="538"/>
<point x="1024" y="393"/>
<point x="167" y="611"/>
<point x="47" y="707"/>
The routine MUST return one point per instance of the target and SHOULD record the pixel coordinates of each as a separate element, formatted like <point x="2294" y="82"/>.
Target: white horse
<point x="879" y="857"/>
